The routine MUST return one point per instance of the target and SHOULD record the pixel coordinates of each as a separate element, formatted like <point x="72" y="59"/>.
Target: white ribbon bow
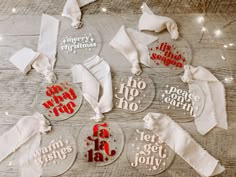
<point x="27" y="128"/>
<point x="72" y="10"/>
<point x="151" y="22"/>
<point x="44" y="59"/>
<point x="183" y="144"/>
<point x="214" y="112"/>
<point x="95" y="76"/>
<point x="133" y="45"/>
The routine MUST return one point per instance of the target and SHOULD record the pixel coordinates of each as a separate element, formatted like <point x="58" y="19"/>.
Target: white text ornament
<point x="56" y="154"/>
<point x="73" y="44"/>
<point x="180" y="99"/>
<point x="132" y="93"/>
<point x="57" y="150"/>
<point x="148" y="153"/>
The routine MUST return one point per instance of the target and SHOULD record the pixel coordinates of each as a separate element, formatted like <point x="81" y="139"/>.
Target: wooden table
<point x="18" y="91"/>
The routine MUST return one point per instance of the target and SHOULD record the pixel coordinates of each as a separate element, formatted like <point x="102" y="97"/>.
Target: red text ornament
<point x="168" y="56"/>
<point x="60" y="101"/>
<point x="102" y="142"/>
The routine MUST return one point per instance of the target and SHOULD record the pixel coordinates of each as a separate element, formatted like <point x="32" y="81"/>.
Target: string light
<point x="203" y="29"/>
<point x="218" y="32"/>
<point x="103" y="9"/>
<point x="225" y="46"/>
<point x="143" y="4"/>
<point x="1" y="38"/>
<point x="223" y="58"/>
<point x="231" y="44"/>
<point x="229" y="79"/>
<point x="200" y="19"/>
<point x="13" y="10"/>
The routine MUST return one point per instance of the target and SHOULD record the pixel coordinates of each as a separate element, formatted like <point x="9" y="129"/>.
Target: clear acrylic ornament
<point x="76" y="45"/>
<point x="57" y="152"/>
<point x="58" y="101"/>
<point x="133" y="93"/>
<point x="168" y="56"/>
<point x="179" y="101"/>
<point x="100" y="143"/>
<point x="147" y="153"/>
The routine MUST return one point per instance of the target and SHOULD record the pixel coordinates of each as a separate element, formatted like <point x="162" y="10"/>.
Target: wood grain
<point x="54" y="7"/>
<point x="18" y="92"/>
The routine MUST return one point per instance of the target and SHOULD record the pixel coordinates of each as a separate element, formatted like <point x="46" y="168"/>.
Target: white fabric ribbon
<point x="214" y="112"/>
<point x="72" y="10"/>
<point x="28" y="166"/>
<point x="44" y="60"/>
<point x="133" y="45"/>
<point x="24" y="65"/>
<point x="95" y="76"/>
<point x="183" y="144"/>
<point x="27" y="128"/>
<point x="151" y="22"/>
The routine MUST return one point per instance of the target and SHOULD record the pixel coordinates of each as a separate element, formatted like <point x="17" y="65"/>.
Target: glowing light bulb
<point x="203" y="29"/>
<point x="104" y="9"/>
<point x="13" y="10"/>
<point x="229" y="79"/>
<point x="218" y="32"/>
<point x="1" y="38"/>
<point x="231" y="44"/>
<point x="225" y="46"/>
<point x="200" y="19"/>
<point x="223" y="58"/>
<point x="142" y="6"/>
<point x="10" y="163"/>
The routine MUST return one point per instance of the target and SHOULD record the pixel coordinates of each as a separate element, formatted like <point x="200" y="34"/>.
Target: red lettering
<point x="96" y="126"/>
<point x="71" y="95"/>
<point x="106" y="149"/>
<point x="58" y="99"/>
<point x="48" y="104"/>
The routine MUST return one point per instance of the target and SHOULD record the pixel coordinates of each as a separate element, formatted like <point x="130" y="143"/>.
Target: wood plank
<point x="37" y="7"/>
<point x="18" y="92"/>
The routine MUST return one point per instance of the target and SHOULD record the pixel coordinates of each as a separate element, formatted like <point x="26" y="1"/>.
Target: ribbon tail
<point x="183" y="144"/>
<point x="47" y="43"/>
<point x="29" y="166"/>
<point x="42" y="65"/>
<point x="124" y="44"/>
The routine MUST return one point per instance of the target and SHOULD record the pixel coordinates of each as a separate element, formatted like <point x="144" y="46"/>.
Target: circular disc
<point x="57" y="152"/>
<point x="100" y="143"/>
<point x="147" y="153"/>
<point x="76" y="45"/>
<point x="168" y="56"/>
<point x="181" y="102"/>
<point x="58" y="101"/>
<point x="133" y="93"/>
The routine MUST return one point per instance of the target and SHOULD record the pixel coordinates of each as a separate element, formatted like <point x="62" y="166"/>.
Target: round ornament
<point x="133" y="93"/>
<point x="58" y="101"/>
<point x="181" y="102"/>
<point x="147" y="152"/>
<point x="76" y="45"/>
<point x="101" y="143"/>
<point x="57" y="152"/>
<point x="168" y="56"/>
